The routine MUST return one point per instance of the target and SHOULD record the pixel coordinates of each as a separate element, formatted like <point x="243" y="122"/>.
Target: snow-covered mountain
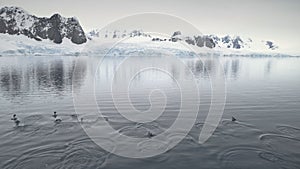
<point x="16" y="21"/>
<point x="26" y="34"/>
<point x="209" y="41"/>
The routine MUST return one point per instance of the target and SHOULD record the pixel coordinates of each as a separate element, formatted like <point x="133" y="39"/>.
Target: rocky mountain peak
<point x="16" y="21"/>
<point x="56" y="16"/>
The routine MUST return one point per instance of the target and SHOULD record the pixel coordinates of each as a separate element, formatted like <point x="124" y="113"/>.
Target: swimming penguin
<point x="17" y="122"/>
<point x="54" y="114"/>
<point x="74" y="116"/>
<point x="233" y="119"/>
<point x="14" y="117"/>
<point x="57" y="120"/>
<point x="149" y="134"/>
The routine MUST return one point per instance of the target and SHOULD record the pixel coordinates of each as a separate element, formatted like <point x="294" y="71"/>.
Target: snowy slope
<point x="22" y="45"/>
<point x="223" y="45"/>
<point x="135" y="45"/>
<point x="24" y="34"/>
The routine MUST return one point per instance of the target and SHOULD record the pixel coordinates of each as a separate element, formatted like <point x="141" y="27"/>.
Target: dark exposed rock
<point x="199" y="41"/>
<point x="271" y="45"/>
<point x="202" y="41"/>
<point x="190" y="41"/>
<point x="233" y="42"/>
<point x="3" y="27"/>
<point x="175" y="39"/>
<point x="237" y="43"/>
<point x="176" y="36"/>
<point x="226" y="39"/>
<point x="15" y="21"/>
<point x="209" y="42"/>
<point x="176" y="33"/>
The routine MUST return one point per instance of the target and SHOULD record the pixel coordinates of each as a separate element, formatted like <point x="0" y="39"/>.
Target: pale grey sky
<point x="277" y="20"/>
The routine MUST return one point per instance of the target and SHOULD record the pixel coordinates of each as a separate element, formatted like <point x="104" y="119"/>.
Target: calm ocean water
<point x="263" y="93"/>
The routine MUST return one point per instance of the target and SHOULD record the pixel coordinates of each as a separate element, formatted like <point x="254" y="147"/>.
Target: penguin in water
<point x="17" y="122"/>
<point x="150" y="135"/>
<point x="57" y="120"/>
<point x="74" y="116"/>
<point x="233" y="119"/>
<point x="105" y="118"/>
<point x="15" y="119"/>
<point x="54" y="114"/>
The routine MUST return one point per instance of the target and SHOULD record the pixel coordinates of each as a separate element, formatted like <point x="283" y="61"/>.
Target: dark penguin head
<point x="54" y="114"/>
<point x="233" y="119"/>
<point x="14" y="117"/>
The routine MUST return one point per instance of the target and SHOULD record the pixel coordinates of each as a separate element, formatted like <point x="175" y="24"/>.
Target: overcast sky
<point x="277" y="20"/>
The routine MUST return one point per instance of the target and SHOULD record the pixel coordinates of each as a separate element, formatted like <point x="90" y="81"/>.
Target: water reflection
<point x="268" y="67"/>
<point x="232" y="68"/>
<point x="36" y="76"/>
<point x="235" y="65"/>
<point x="39" y="75"/>
<point x="57" y="74"/>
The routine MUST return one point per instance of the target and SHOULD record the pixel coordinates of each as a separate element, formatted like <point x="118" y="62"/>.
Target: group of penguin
<point x="58" y="120"/>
